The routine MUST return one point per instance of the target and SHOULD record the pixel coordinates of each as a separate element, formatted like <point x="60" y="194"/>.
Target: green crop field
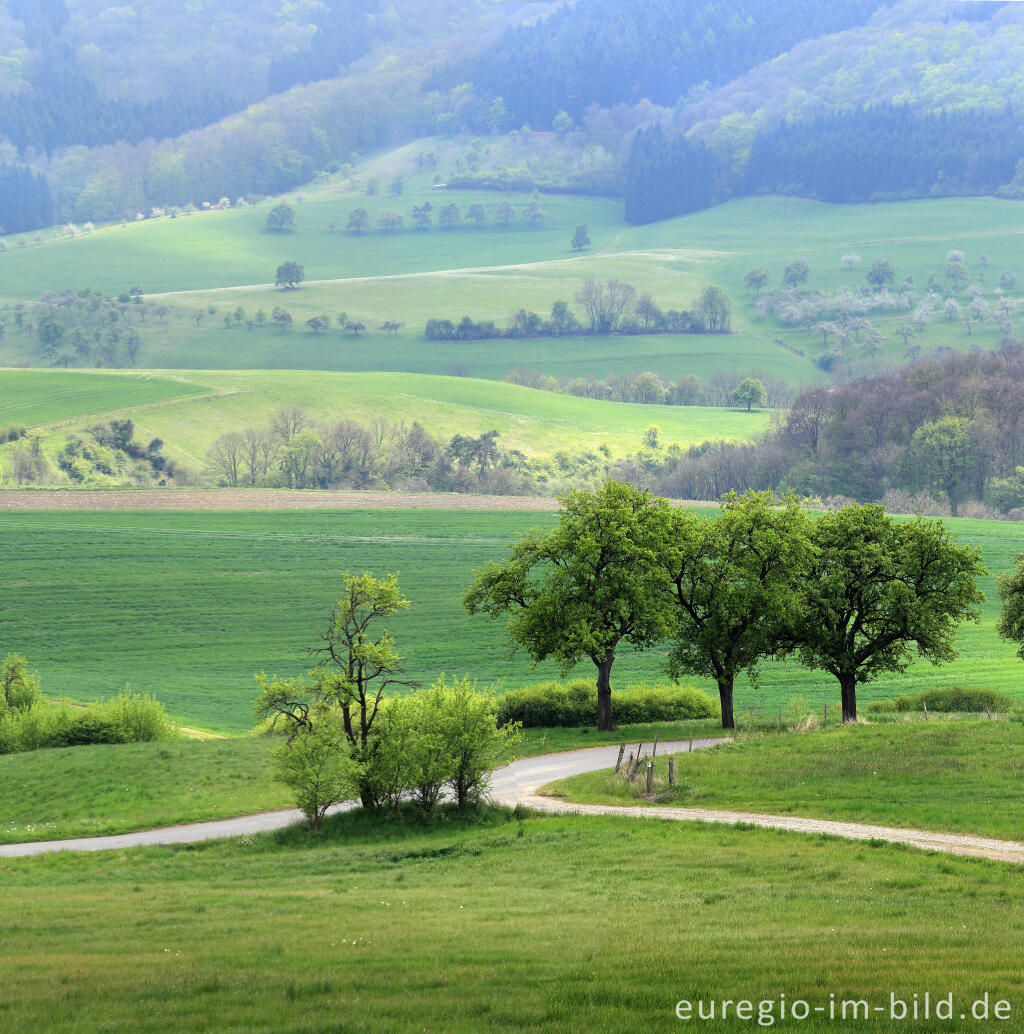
<point x="32" y="397"/>
<point x="190" y="605"/>
<point x="556" y="925"/>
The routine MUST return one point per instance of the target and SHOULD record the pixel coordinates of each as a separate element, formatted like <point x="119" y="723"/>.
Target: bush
<point x="128" y="718"/>
<point x="574" y="704"/>
<point x="941" y="701"/>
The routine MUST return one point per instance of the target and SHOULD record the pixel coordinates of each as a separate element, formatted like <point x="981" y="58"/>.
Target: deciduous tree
<point x="586" y="587"/>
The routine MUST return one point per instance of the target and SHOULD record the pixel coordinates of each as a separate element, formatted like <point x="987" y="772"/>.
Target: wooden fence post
<point x="650" y="777"/>
<point x="655" y="749"/>
<point x="671" y="771"/>
<point x="618" y="764"/>
<point x="925" y="702"/>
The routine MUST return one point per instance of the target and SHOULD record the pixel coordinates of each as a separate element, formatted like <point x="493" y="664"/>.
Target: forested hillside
<point x="606" y="52"/>
<point x="841" y="99"/>
<point x="85" y="72"/>
<point x="869" y="154"/>
<point x="948" y="432"/>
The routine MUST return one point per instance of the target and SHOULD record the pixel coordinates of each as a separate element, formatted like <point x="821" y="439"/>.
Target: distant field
<point x="538" y="422"/>
<point x="225" y="260"/>
<point x="232" y="248"/>
<point x="189" y="606"/>
<point x="31" y="397"/>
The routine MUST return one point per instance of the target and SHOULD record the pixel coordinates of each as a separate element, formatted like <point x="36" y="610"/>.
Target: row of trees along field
<point x="877" y="153"/>
<point x="850" y="592"/>
<point x="951" y="429"/>
<point x="605" y="52"/>
<point x="609" y="307"/>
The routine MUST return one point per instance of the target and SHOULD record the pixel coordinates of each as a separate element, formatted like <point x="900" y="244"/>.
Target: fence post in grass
<point x="650" y="777"/>
<point x="654" y="749"/>
<point x="925" y="703"/>
<point x="629" y="764"/>
<point x="987" y="714"/>
<point x="671" y="771"/>
<point x="691" y="739"/>
<point x="618" y="764"/>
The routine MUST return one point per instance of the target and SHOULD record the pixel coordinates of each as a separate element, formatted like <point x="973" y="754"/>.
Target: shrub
<point x="574" y="704"/>
<point x="949" y="699"/>
<point x="128" y="718"/>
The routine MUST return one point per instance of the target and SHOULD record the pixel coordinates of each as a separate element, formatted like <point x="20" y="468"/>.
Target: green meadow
<point x="499" y="923"/>
<point x="189" y="606"/>
<point x="195" y="408"/>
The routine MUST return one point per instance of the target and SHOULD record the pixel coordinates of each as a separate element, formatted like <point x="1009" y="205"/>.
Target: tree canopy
<point x="588" y="586"/>
<point x="876" y="590"/>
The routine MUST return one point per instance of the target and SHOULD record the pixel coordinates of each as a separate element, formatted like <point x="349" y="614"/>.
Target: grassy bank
<point x="951" y="776"/>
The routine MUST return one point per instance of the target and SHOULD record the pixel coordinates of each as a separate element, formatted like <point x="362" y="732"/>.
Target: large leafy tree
<point x="731" y="581"/>
<point x="877" y="590"/>
<point x="590" y="585"/>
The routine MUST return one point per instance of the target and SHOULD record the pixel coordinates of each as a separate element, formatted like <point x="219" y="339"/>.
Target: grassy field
<point x="226" y="260"/>
<point x="566" y="925"/>
<point x="537" y="422"/>
<point x="232" y="248"/>
<point x="190" y="605"/>
<point x="952" y="776"/>
<point x="95" y="791"/>
<point x="33" y="397"/>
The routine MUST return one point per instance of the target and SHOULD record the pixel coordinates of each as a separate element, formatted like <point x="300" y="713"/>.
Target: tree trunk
<point x="604" y="694"/>
<point x="848" y="687"/>
<point x="725" y="695"/>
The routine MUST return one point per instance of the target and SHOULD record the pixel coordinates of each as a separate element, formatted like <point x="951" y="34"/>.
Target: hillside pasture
<point x="226" y="260"/>
<point x="189" y="606"/>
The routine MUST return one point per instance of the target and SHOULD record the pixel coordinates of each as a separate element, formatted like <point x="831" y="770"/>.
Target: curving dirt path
<point x="518" y="784"/>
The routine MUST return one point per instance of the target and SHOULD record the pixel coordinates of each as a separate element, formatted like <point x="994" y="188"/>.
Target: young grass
<point x="188" y="606"/>
<point x="560" y="925"/>
<point x="943" y="775"/>
<point x="32" y="397"/>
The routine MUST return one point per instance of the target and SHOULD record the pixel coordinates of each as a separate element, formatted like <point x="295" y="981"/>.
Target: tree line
<point x="850" y="592"/>
<point x="883" y="152"/>
<point x="949" y="428"/>
<point x="296" y="451"/>
<point x="726" y="388"/>
<point x="610" y="307"/>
